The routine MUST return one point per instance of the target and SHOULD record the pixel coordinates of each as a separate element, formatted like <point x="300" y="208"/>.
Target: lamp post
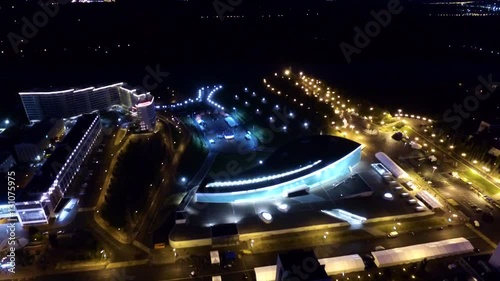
<point x="433" y="170"/>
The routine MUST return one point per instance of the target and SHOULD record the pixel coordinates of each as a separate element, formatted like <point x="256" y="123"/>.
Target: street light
<point x="7" y="122"/>
<point x="433" y="170"/>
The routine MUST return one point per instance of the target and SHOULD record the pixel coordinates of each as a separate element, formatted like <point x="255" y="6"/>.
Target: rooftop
<point x="37" y="132"/>
<point x="83" y="88"/>
<point x="299" y="157"/>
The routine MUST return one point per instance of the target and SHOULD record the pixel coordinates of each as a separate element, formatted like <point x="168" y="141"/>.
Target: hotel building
<point x="74" y="102"/>
<point x="41" y="199"/>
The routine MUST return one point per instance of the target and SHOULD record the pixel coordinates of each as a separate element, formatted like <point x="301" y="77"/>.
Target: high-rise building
<point x="74" y="102"/>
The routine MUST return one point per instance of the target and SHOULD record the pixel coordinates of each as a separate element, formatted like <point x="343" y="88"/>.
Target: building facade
<point x="320" y="168"/>
<point x="74" y="102"/>
<point x="40" y="198"/>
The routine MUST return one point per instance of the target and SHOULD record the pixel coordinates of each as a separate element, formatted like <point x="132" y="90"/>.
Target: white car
<point x="393" y="234"/>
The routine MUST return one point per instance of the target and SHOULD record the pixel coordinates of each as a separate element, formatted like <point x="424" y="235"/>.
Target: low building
<point x="39" y="200"/>
<point x="495" y="258"/>
<point x="36" y="138"/>
<point x="7" y="161"/>
<point x="478" y="268"/>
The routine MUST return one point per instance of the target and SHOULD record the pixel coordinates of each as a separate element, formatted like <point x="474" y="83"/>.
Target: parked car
<point x="393" y="234"/>
<point x="477" y="224"/>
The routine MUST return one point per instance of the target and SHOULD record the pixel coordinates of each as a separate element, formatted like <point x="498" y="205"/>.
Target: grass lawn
<point x="192" y="158"/>
<point x="482" y="183"/>
<point x="269" y="138"/>
<point x="236" y="163"/>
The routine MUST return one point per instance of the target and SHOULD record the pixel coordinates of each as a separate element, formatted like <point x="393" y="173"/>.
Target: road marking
<point x="480" y="234"/>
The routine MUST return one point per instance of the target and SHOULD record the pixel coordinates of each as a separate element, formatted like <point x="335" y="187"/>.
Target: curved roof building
<point x="302" y="164"/>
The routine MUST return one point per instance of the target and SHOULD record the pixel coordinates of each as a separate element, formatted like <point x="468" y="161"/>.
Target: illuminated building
<point x="74" y="102"/>
<point x="300" y="166"/>
<point x="40" y="199"/>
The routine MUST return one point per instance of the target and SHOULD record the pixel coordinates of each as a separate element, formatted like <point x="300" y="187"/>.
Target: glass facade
<point x="329" y="174"/>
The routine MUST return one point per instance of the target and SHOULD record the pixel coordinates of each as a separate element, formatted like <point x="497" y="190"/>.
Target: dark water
<point x="409" y="64"/>
<point x="423" y="88"/>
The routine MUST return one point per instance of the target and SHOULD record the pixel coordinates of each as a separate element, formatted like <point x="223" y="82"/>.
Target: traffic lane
<point x="468" y="200"/>
<point x="464" y="162"/>
<point x="182" y="269"/>
<point x="149" y="273"/>
<point x="460" y="191"/>
<point x="406" y="239"/>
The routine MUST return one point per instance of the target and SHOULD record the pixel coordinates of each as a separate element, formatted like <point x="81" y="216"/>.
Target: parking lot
<point x="221" y="137"/>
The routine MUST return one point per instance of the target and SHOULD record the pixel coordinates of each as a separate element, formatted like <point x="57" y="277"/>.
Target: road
<point x="84" y="218"/>
<point x="143" y="233"/>
<point x="464" y="163"/>
<point x="181" y="269"/>
<point x="468" y="200"/>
